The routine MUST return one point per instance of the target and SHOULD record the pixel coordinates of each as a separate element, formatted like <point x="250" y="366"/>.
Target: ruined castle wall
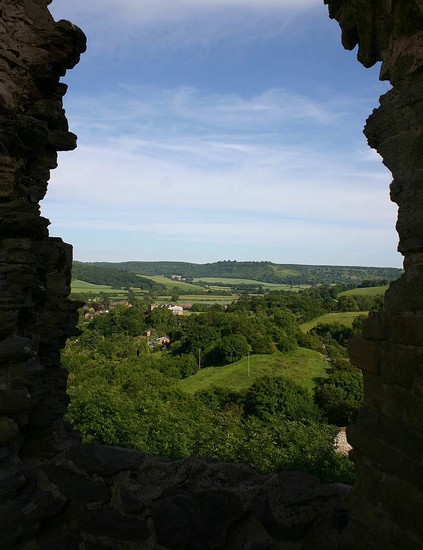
<point x="388" y="437"/>
<point x="36" y="315"/>
<point x="55" y="493"/>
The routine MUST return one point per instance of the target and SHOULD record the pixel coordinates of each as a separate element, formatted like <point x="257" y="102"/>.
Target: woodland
<point x="223" y="386"/>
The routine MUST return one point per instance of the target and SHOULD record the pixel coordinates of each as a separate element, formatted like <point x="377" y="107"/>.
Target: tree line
<point x="114" y="277"/>
<point x="267" y="272"/>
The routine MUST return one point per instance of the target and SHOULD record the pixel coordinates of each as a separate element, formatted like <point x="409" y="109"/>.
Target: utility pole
<point x="199" y="358"/>
<point x="248" y="364"/>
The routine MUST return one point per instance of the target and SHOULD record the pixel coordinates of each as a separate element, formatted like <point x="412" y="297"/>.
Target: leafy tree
<point x="103" y="324"/>
<point x="130" y="320"/>
<point x="340" y="396"/>
<point x="262" y="343"/>
<point x="162" y="320"/>
<point x="232" y="348"/>
<point x="277" y="396"/>
<point x="347" y="303"/>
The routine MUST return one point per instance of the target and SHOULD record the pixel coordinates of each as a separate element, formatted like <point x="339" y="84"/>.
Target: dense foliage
<point x="124" y="392"/>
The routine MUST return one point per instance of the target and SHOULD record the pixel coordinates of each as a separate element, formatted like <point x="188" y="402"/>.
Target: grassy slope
<point x="302" y="366"/>
<point x="83" y="286"/>
<point x="344" y="317"/>
<point x="371" y="291"/>
<point x="168" y="283"/>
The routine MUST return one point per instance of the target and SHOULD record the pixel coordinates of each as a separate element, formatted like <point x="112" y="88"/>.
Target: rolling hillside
<point x="266" y="272"/>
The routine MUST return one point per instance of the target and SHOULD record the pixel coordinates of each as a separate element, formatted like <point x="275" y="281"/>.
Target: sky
<point x="219" y="130"/>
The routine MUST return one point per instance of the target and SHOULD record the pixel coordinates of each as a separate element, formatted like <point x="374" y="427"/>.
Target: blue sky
<point x="219" y="129"/>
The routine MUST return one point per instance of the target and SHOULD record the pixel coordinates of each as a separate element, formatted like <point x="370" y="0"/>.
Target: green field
<point x="84" y="287"/>
<point x="301" y="366"/>
<point x="370" y="291"/>
<point x="228" y="281"/>
<point x="208" y="299"/>
<point x="199" y="298"/>
<point x="344" y="317"/>
<point x="180" y="286"/>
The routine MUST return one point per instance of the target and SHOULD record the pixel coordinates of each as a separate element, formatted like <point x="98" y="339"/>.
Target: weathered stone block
<point x="8" y="430"/>
<point x="369" y="479"/>
<point x="15" y="349"/>
<point x="373" y="326"/>
<point x="14" y="401"/>
<point x="406" y="294"/>
<point x="404" y="502"/>
<point x="364" y="354"/>
<point x="405" y="328"/>
<point x="199" y="520"/>
<point x="112" y="525"/>
<point x="400" y="364"/>
<point x="73" y="485"/>
<point x="404" y="406"/>
<point x="103" y="460"/>
<point x="12" y="479"/>
<point x="393" y="432"/>
<point x="389" y="458"/>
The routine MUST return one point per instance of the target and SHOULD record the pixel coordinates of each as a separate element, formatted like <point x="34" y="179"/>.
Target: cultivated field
<point x="84" y="288"/>
<point x="228" y="282"/>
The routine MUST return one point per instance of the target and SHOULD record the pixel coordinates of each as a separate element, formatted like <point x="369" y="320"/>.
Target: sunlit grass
<point x="302" y="366"/>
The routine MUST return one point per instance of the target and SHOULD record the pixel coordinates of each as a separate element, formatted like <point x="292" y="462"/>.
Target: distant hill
<point x="266" y="272"/>
<point x="112" y="275"/>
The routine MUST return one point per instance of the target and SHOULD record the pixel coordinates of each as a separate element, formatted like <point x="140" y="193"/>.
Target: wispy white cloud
<point x="147" y="11"/>
<point x="181" y="23"/>
<point x="310" y="188"/>
<point x="187" y="152"/>
<point x="136" y="110"/>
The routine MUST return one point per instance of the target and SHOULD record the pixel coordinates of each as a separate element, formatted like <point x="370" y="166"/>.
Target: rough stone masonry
<point x="388" y="437"/>
<point x="57" y="494"/>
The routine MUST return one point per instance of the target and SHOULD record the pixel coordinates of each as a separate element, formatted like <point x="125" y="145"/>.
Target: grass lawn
<point x="371" y="291"/>
<point x="301" y="366"/>
<point x="344" y="317"/>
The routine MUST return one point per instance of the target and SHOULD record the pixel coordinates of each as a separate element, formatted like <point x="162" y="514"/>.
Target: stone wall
<point x="56" y="493"/>
<point x="36" y="315"/>
<point x="388" y="437"/>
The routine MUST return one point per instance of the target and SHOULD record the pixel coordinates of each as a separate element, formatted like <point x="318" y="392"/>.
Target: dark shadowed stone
<point x="15" y="349"/>
<point x="103" y="460"/>
<point x="14" y="401"/>
<point x="21" y="517"/>
<point x="199" y="520"/>
<point x="12" y="478"/>
<point x="76" y="486"/>
<point x="248" y="533"/>
<point x="8" y="429"/>
<point x="109" y="523"/>
<point x="291" y="508"/>
<point x="59" y="540"/>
